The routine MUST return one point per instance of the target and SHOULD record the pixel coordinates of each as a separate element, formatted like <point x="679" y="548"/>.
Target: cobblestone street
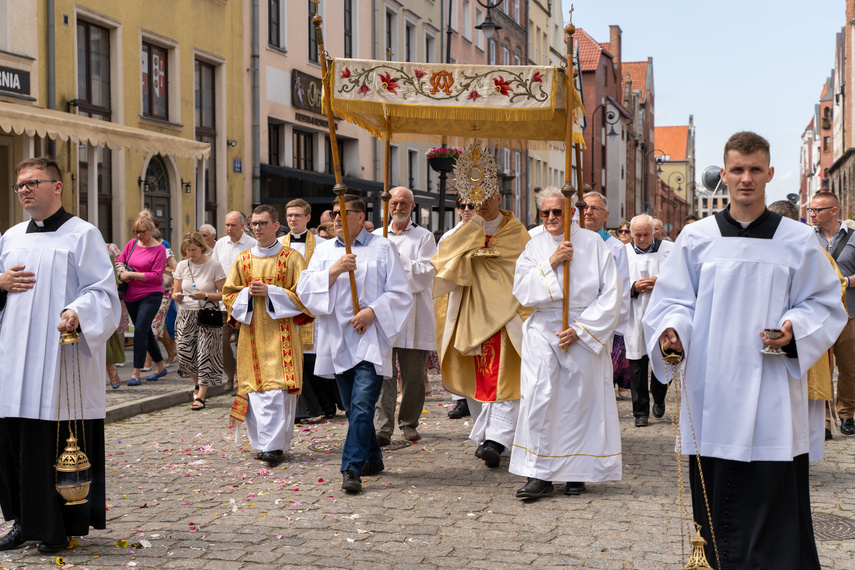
<point x="181" y="494"/>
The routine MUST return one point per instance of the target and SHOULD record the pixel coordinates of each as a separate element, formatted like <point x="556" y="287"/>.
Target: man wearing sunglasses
<point x="479" y="322"/>
<point x="55" y="276"/>
<point x="839" y="241"/>
<point x="568" y="426"/>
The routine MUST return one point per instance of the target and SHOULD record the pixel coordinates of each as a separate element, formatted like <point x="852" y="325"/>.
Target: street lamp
<point x="488" y="26"/>
<point x="679" y="180"/>
<point x="610" y="117"/>
<point x="646" y="196"/>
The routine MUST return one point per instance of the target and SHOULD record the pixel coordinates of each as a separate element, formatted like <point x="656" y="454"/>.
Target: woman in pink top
<point x="143" y="262"/>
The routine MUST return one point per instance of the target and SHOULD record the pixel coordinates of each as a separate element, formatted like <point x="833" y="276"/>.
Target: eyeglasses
<point x="31" y="185"/>
<point x="557" y="212"/>
<point x="141" y="232"/>
<point x="623" y="231"/>
<point x="818" y="210"/>
<point x="261" y="225"/>
<point x="466" y="206"/>
<point x="337" y="213"/>
<point x="595" y="208"/>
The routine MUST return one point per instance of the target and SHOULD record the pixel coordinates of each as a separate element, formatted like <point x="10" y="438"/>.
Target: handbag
<point x="207" y="317"/>
<point x="123" y="286"/>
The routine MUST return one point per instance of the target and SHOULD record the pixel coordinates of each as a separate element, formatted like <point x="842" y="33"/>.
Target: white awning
<point x="52" y="124"/>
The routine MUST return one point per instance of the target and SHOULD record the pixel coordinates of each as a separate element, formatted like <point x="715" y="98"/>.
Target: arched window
<point x="156" y="194"/>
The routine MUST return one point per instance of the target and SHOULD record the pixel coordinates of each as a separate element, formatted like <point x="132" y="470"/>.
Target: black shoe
<point x="274" y="458"/>
<point x="373" y="467"/>
<point x="828" y="434"/>
<point x="658" y="410"/>
<point x="847" y="426"/>
<point x="46" y="548"/>
<point x="329" y="415"/>
<point x="479" y="450"/>
<point x="491" y="453"/>
<point x="574" y="488"/>
<point x="460" y="410"/>
<point x="351" y="481"/>
<point x="12" y="539"/>
<point x="383" y="441"/>
<point x="534" y="489"/>
<point x="641" y="421"/>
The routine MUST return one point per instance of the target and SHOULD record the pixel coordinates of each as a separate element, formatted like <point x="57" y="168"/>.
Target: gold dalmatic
<point x="307" y="331"/>
<point x="267" y="357"/>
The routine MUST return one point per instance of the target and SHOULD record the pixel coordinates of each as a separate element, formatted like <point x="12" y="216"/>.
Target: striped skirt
<point x="200" y="349"/>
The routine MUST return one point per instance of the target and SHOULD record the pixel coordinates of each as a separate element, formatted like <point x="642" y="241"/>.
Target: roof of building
<point x="674" y="141"/>
<point x="589" y="51"/>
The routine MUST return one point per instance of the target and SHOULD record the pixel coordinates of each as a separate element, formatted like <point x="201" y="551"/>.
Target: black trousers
<point x="760" y="512"/>
<point x="319" y="396"/>
<point x="142" y="312"/>
<point x="639" y="389"/>
<point x="28" y="453"/>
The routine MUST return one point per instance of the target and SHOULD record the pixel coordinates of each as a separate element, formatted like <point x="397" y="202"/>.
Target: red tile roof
<point x="589" y="50"/>
<point x="674" y="141"/>
<point x="637" y="71"/>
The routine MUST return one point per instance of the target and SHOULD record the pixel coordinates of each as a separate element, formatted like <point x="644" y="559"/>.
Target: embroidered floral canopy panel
<point x="518" y="106"/>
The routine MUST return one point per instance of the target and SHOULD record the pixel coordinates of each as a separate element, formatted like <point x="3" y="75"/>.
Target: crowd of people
<point x="536" y="336"/>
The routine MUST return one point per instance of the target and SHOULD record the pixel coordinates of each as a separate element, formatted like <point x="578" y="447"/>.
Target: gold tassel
<point x="698" y="560"/>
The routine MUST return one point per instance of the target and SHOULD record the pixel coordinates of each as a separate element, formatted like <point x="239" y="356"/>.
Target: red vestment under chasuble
<point x="478" y="320"/>
<point x="269" y="354"/>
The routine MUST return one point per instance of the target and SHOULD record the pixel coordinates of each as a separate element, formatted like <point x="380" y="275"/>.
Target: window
<point x="206" y="131"/>
<point x="102" y="159"/>
<point x="517" y="59"/>
<point x="412" y="169"/>
<point x="274" y="24"/>
<point x="826" y="143"/>
<point x="304" y="151"/>
<point x="274" y="132"/>
<point x="479" y="35"/>
<point x="491" y="52"/>
<point x="154" y="82"/>
<point x="430" y="46"/>
<point x="410" y="42"/>
<point x="313" y="40"/>
<point x="516" y="4"/>
<point x="391" y="31"/>
<point x="93" y="71"/>
<point x="348" y="28"/>
<point x="466" y="7"/>
<point x="329" y="162"/>
<point x="506" y="55"/>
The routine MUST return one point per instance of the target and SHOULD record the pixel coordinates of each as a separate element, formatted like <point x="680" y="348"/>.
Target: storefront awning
<point x="64" y="126"/>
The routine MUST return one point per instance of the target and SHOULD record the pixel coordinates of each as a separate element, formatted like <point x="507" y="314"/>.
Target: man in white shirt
<point x="355" y="347"/>
<point x="225" y="252"/>
<point x="416" y="246"/>
<point x="320" y="395"/>
<point x="744" y="418"/>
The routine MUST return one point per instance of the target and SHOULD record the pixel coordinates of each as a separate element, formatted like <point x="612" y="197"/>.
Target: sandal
<point x="197" y="408"/>
<point x="115" y="382"/>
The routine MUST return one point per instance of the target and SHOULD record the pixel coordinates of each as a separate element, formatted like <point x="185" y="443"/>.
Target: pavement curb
<point x="150" y="404"/>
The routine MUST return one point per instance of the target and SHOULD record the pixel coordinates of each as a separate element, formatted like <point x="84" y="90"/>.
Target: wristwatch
<point x="206" y="296"/>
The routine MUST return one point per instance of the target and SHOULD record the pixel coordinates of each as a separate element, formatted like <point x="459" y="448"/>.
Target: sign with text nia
<point x="14" y="81"/>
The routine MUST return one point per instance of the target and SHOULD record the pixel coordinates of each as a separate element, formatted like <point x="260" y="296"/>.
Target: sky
<point x="756" y="65"/>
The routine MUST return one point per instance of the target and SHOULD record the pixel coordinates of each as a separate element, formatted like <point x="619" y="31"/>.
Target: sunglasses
<point x="466" y="206"/>
<point x="623" y="231"/>
<point x="557" y="212"/>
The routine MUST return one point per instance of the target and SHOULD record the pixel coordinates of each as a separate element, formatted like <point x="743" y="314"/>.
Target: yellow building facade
<point x="141" y="103"/>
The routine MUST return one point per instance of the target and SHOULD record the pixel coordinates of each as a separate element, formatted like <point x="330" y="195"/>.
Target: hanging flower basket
<point x="442" y="159"/>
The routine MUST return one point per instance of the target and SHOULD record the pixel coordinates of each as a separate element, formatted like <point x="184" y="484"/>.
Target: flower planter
<point x="442" y="164"/>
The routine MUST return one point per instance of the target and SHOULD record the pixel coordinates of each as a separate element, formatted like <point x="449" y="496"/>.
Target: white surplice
<point x="719" y="293"/>
<point x="73" y="271"/>
<point x="641" y="266"/>
<point x="380" y="284"/>
<point x="416" y="246"/>
<point x="619" y="256"/>
<point x="568" y="424"/>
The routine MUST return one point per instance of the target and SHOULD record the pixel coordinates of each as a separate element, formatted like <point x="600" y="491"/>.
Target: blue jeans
<point x="142" y="312"/>
<point x="359" y="388"/>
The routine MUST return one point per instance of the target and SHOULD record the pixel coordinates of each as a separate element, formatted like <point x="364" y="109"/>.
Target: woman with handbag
<point x="199" y="326"/>
<point x="142" y="264"/>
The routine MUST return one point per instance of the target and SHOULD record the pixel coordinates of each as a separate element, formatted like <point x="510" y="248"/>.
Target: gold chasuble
<point x="307" y="331"/>
<point x="478" y="333"/>
<point x="267" y="357"/>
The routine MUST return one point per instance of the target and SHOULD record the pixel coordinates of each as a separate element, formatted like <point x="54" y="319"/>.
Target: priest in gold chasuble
<point x="259" y="296"/>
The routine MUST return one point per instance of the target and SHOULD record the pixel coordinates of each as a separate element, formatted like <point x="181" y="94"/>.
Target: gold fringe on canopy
<point x="427" y="101"/>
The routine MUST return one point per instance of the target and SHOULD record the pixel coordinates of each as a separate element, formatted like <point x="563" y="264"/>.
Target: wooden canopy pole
<point x="340" y="189"/>
<point x="386" y="195"/>
<point x="569" y="147"/>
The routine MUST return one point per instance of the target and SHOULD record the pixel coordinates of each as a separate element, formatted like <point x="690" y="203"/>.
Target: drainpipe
<point x="256" y="109"/>
<point x="51" y="67"/>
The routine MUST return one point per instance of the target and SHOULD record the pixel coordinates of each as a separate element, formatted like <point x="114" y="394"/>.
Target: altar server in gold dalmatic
<point x="259" y="294"/>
